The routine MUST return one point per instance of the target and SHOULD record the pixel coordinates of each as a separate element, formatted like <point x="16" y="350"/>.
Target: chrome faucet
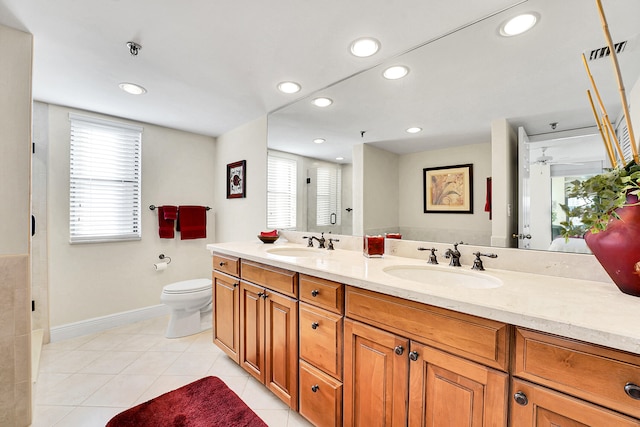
<point x="432" y="258"/>
<point x="330" y="244"/>
<point x="454" y="255"/>
<point x="477" y="263"/>
<point x="320" y="240"/>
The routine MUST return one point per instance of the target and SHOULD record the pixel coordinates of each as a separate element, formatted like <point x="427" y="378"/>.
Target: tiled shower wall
<point x="15" y="341"/>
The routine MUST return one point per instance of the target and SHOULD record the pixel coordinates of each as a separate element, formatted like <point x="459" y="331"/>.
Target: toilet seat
<point x="188" y="286"/>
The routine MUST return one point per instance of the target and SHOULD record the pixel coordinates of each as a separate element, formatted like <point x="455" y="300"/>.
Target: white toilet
<point x="187" y="300"/>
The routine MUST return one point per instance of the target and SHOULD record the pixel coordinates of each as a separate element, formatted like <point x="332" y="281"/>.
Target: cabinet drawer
<point x="482" y="340"/>
<point x="591" y="372"/>
<point x="320" y="397"/>
<point x="322" y="293"/>
<point x="321" y="339"/>
<point x="274" y="278"/>
<point x="227" y="264"/>
<point x="545" y="407"/>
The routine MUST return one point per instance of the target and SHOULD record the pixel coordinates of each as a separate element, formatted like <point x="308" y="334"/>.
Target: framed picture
<point x="236" y="180"/>
<point x="448" y="189"/>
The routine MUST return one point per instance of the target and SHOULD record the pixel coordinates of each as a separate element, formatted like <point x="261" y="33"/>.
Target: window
<point x="104" y="188"/>
<point x="329" y="195"/>
<point x="281" y="192"/>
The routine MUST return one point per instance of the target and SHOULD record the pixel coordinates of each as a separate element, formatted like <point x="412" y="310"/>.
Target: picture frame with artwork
<point x="448" y="189"/>
<point x="236" y="180"/>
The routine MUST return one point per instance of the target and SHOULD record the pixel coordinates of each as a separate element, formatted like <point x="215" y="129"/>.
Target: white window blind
<point x="104" y="190"/>
<point x="329" y="196"/>
<point x="281" y="192"/>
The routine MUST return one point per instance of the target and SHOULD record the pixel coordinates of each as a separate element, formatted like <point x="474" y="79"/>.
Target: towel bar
<point x="153" y="207"/>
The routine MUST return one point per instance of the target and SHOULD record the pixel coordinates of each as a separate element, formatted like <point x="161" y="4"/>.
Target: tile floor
<point x="84" y="381"/>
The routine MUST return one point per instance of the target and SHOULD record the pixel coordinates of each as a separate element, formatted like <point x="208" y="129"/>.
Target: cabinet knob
<point x="264" y="295"/>
<point x="315" y="325"/>
<point x="222" y="263"/>
<point x="399" y="350"/>
<point x="521" y="398"/>
<point x="632" y="390"/>
<point x="314" y="293"/>
<point x="235" y="285"/>
<point x="315" y="388"/>
<point x="413" y="356"/>
<point x="260" y="295"/>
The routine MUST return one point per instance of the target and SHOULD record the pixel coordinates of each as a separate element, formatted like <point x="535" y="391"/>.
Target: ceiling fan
<point x="548" y="160"/>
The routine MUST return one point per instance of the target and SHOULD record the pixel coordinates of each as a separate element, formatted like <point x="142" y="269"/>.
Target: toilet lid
<point x="195" y="285"/>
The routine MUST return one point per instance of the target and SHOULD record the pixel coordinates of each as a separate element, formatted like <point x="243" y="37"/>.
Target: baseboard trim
<point x="99" y="324"/>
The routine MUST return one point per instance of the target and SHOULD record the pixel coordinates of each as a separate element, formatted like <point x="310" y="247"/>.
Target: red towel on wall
<point x="165" y="226"/>
<point x="487" y="204"/>
<point x="192" y="222"/>
<point x="170" y="212"/>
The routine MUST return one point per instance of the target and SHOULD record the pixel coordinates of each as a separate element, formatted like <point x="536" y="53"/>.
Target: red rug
<point x="207" y="402"/>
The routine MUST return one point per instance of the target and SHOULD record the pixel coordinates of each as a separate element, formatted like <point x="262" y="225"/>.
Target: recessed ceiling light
<point x="289" y="87"/>
<point x="395" y="72"/>
<point x="365" y="46"/>
<point x="319" y="140"/>
<point x="414" y="130"/>
<point x="322" y="102"/>
<point x="519" y="24"/>
<point x="132" y="88"/>
<point x="339" y="158"/>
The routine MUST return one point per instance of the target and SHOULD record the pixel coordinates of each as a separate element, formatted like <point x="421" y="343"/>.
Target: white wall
<point x="15" y="146"/>
<point x="92" y="280"/>
<point x="380" y="190"/>
<point x="504" y="165"/>
<point x="242" y="219"/>
<point x="441" y="227"/>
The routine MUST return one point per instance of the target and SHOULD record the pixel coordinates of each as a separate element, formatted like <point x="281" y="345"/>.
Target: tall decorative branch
<point x="616" y="66"/>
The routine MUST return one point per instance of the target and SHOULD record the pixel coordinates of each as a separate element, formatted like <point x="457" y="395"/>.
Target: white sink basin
<point x="455" y="276"/>
<point x="296" y="252"/>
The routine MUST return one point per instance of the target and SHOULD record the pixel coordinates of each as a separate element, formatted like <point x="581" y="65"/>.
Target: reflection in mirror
<point x="308" y="194"/>
<point x="459" y="85"/>
<point x="548" y="166"/>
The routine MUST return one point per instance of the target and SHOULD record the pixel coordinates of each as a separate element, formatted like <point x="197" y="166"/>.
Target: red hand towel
<point x="192" y="222"/>
<point x="165" y="226"/>
<point x="487" y="204"/>
<point x="170" y="212"/>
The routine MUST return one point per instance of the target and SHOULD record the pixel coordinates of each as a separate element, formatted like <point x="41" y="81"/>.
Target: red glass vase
<point x="618" y="248"/>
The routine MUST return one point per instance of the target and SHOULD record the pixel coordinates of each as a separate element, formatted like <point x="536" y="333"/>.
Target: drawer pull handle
<point x="632" y="390"/>
<point x="222" y="263"/>
<point x="315" y="325"/>
<point x="399" y="350"/>
<point x="314" y="293"/>
<point x="315" y="388"/>
<point x="521" y="398"/>
<point x="413" y="356"/>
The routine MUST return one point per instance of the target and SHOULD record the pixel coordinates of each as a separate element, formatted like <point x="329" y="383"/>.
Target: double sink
<point x="425" y="274"/>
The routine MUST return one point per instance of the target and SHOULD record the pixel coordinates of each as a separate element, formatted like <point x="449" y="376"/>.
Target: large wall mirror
<point x="458" y="86"/>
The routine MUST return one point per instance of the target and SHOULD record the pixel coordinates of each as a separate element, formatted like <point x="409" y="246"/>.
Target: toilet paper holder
<point x="163" y="256"/>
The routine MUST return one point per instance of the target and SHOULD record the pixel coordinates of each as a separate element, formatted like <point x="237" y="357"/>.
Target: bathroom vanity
<point x="349" y="340"/>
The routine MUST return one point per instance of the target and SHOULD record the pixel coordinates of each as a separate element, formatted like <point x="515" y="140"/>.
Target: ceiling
<point x="210" y="66"/>
<point x="461" y="82"/>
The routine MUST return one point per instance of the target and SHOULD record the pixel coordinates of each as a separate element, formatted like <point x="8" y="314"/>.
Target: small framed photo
<point x="236" y="180"/>
<point x="448" y="189"/>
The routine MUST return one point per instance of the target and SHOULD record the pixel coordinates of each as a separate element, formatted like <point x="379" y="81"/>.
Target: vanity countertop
<point x="595" y="312"/>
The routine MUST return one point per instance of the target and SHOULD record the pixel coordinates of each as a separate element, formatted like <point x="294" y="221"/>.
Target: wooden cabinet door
<point x="376" y="375"/>
<point x="446" y="390"/>
<point x="252" y="356"/>
<point x="542" y="407"/>
<point x="281" y="347"/>
<point x="226" y="314"/>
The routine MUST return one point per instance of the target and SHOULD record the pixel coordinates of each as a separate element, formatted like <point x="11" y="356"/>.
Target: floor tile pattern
<point x="84" y="381"/>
